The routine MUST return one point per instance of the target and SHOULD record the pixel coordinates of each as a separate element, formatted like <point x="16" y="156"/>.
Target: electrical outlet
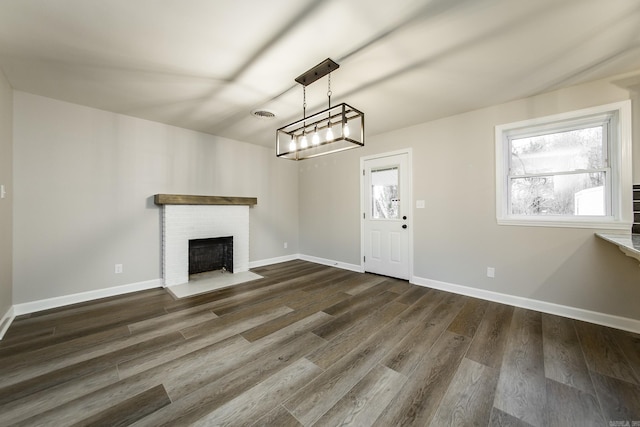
<point x="491" y="272"/>
<point x="118" y="269"/>
<point x="286" y="245"/>
<point x="3" y="193"/>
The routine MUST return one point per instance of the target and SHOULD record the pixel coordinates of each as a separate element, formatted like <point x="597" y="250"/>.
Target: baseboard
<point x="6" y="320"/>
<point x="332" y="263"/>
<point x="317" y="260"/>
<point x="49" y="303"/>
<point x="46" y="304"/>
<point x="603" y="319"/>
<point x="269" y="261"/>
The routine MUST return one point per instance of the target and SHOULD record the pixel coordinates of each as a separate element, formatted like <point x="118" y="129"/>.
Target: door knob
<point x="404" y="225"/>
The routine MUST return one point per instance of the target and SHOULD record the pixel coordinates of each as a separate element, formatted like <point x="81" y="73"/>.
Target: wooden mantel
<point x="185" y="199"/>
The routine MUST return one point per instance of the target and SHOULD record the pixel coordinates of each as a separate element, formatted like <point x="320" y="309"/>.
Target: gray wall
<point x="84" y="181"/>
<point x="6" y="204"/>
<point x="456" y="237"/>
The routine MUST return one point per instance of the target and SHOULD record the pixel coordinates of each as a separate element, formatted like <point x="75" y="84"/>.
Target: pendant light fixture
<point x="335" y="129"/>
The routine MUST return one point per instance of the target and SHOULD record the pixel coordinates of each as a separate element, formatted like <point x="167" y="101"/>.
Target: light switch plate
<point x="420" y="204"/>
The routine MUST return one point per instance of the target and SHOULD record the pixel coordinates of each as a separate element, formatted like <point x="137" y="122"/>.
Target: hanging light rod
<point x="338" y="128"/>
<point x="317" y="72"/>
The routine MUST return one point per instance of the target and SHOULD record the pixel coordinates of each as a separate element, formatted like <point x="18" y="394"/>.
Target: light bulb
<point x="315" y="140"/>
<point x="345" y="131"/>
<point x="303" y="142"/>
<point x="329" y="134"/>
<point x="292" y="145"/>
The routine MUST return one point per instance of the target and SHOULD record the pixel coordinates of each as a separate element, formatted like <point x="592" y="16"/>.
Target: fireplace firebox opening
<point x="211" y="254"/>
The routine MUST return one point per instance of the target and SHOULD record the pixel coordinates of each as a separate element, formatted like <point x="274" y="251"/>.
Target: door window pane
<point x="384" y="193"/>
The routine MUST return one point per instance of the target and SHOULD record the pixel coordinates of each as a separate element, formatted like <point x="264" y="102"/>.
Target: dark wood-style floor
<point x="314" y="345"/>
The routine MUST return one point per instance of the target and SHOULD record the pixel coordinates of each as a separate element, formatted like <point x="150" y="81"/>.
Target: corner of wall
<point x="6" y="321"/>
<point x="6" y="202"/>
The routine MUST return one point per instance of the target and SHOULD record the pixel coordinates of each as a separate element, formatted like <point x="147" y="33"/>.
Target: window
<point x="567" y="170"/>
<point x="384" y="193"/>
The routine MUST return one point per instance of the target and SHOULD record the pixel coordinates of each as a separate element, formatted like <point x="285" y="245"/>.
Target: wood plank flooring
<point x="314" y="345"/>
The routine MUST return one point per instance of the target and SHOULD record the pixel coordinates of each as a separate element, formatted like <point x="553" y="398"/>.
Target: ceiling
<point x="206" y="64"/>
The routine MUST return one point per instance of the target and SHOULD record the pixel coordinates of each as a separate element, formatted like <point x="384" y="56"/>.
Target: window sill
<point x="553" y="222"/>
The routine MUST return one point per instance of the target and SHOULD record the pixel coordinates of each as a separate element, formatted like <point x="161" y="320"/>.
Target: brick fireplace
<point x="188" y="218"/>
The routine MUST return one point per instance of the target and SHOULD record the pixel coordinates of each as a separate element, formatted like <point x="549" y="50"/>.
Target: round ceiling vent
<point x="263" y="114"/>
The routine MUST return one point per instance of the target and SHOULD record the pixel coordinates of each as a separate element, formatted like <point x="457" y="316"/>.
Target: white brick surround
<point x="181" y="223"/>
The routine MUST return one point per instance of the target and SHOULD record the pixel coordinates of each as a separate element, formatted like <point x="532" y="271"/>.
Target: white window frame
<point x="619" y="182"/>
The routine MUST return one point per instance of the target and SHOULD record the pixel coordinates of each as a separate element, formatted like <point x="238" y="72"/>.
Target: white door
<point x="386" y="209"/>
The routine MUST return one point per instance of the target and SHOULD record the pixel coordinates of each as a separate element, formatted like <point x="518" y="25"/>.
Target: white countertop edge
<point x="623" y="241"/>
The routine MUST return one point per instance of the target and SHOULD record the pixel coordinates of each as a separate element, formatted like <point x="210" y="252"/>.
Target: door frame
<point x="409" y="153"/>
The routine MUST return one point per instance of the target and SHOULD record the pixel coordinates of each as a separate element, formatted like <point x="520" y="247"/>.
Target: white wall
<point x="84" y="181"/>
<point x="6" y="204"/>
<point x="456" y="237"/>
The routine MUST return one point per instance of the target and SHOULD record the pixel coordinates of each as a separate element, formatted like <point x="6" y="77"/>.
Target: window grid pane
<point x="578" y="149"/>
<point x="582" y="194"/>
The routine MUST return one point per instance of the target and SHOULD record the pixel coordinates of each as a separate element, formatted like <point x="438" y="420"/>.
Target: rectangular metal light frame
<point x="338" y="116"/>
